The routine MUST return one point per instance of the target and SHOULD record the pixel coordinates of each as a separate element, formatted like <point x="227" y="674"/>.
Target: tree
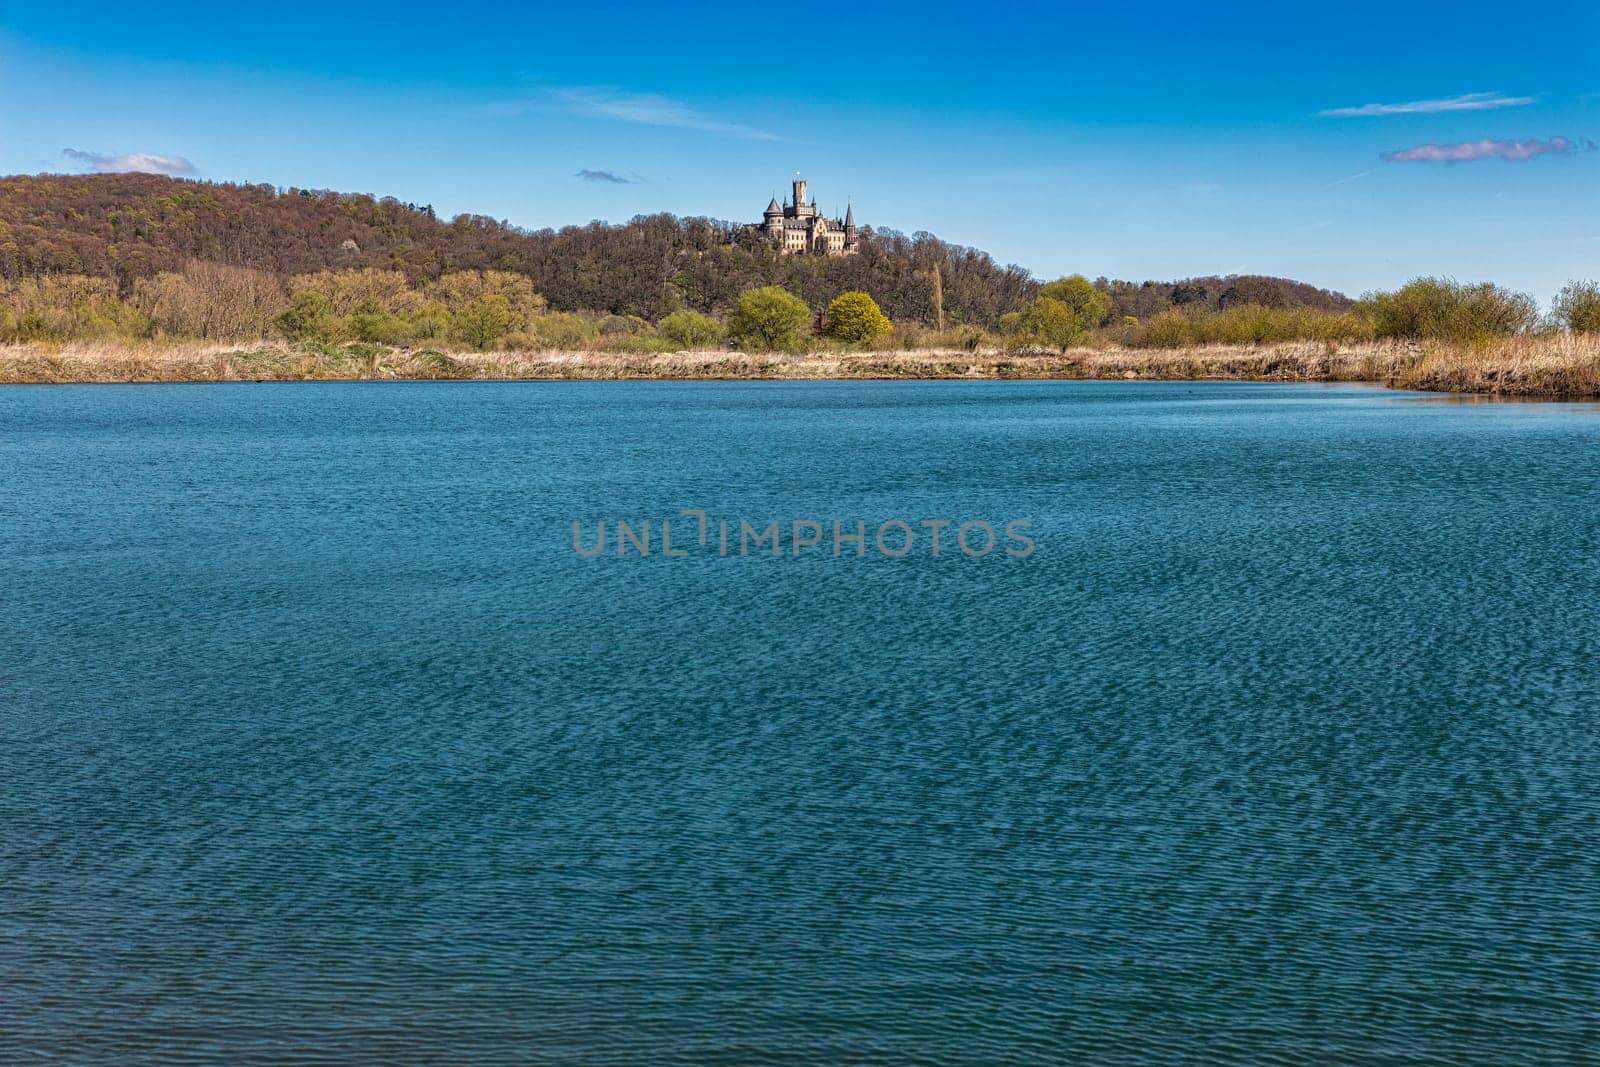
<point x="309" y="317"/>
<point x="1045" y="323"/>
<point x="687" y="329"/>
<point x="1578" y="307"/>
<point x="855" y="319"/>
<point x="484" y="320"/>
<point x="770" y="319"/>
<point x="1089" y="304"/>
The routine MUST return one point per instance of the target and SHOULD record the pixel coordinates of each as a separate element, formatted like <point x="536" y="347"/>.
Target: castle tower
<point x="802" y="209"/>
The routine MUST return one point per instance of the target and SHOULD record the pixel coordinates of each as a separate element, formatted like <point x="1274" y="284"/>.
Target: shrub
<point x="1194" y="324"/>
<point x="688" y="329"/>
<point x="1578" y="307"/>
<point x="309" y="317"/>
<point x="855" y="319"/>
<point x="646" y="341"/>
<point x="562" y="330"/>
<point x="1169" y="329"/>
<point x="622" y="325"/>
<point x="1443" y="309"/>
<point x="905" y="337"/>
<point x="770" y="319"/>
<point x="968" y="338"/>
<point x="381" y="328"/>
<point x="1488" y="311"/>
<point x="363" y="291"/>
<point x="65" y="307"/>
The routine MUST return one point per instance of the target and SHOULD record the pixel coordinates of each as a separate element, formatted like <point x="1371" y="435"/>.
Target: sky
<point x="1352" y="146"/>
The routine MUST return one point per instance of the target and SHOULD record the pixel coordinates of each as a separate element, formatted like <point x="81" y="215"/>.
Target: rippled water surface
<point x="319" y="744"/>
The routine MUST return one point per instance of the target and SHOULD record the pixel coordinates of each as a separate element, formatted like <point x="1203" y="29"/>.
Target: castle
<point x="798" y="228"/>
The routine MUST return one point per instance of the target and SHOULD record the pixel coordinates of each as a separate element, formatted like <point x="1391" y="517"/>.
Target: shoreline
<point x="1557" y="367"/>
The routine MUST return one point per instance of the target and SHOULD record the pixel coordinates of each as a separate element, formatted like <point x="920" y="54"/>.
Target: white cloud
<point x="132" y="162"/>
<point x="1486" y="148"/>
<point x="648" y="109"/>
<point x="1464" y="102"/>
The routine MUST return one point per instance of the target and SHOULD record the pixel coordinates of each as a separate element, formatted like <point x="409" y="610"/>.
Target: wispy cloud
<point x="1347" y="179"/>
<point x="602" y="176"/>
<point x="648" y="109"/>
<point x="132" y="162"/>
<point x="1487" y="148"/>
<point x="1464" y="102"/>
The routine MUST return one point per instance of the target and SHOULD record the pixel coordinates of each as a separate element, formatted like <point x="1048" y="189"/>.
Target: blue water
<point x="320" y="744"/>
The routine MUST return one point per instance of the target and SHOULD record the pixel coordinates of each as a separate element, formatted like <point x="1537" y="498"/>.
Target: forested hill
<point x="128" y="226"/>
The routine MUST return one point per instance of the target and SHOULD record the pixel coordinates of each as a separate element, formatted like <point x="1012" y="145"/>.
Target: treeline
<point x="130" y="227"/>
<point x="467" y="309"/>
<point x="212" y="302"/>
<point x="1074" y="311"/>
<point x="501" y="310"/>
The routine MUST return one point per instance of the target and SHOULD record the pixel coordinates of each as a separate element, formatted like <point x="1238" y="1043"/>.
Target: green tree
<point x="688" y="329"/>
<point x="484" y="320"/>
<point x="855" y="319"/>
<point x="770" y="319"/>
<point x="1045" y="323"/>
<point x="1090" y="304"/>
<point x="1578" y="307"/>
<point x="309" y="317"/>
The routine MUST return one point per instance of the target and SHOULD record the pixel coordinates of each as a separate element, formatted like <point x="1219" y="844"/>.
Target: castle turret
<point x="799" y="192"/>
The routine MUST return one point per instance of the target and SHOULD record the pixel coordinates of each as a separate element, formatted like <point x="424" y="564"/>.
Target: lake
<point x="322" y="744"/>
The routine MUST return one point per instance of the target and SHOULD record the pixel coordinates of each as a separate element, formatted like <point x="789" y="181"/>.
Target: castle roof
<point x="773" y="208"/>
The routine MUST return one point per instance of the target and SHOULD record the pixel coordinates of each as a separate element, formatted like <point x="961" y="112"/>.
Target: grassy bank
<point x="1555" y="365"/>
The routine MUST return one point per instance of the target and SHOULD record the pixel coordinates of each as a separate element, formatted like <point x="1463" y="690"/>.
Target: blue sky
<point x="1155" y="141"/>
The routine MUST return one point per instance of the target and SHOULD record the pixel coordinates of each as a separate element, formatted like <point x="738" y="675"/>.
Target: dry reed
<point x="1555" y="365"/>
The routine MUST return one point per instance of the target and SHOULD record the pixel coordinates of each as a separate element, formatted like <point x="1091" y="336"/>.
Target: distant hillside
<point x="1145" y="299"/>
<point x="127" y="226"/>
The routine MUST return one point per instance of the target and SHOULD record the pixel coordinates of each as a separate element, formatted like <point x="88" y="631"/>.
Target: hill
<point x="131" y="226"/>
